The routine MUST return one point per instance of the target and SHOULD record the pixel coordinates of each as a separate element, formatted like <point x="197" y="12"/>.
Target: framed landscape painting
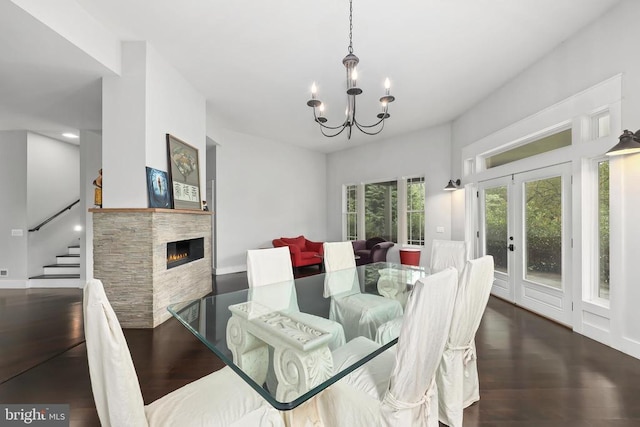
<point x="158" y="189"/>
<point x="184" y="174"/>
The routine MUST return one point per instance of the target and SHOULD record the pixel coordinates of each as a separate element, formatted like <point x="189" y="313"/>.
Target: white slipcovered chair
<point x="448" y="253"/>
<point x="457" y="376"/>
<point x="360" y="314"/>
<point x="408" y="395"/>
<point x="444" y="254"/>
<point x="218" y="399"/>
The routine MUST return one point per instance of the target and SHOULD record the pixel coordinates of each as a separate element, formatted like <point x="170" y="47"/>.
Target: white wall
<point x="149" y="100"/>
<point x="427" y="152"/>
<point x="265" y="190"/>
<point x="53" y="171"/>
<point x="90" y="164"/>
<point x="602" y="50"/>
<point x="13" y="207"/>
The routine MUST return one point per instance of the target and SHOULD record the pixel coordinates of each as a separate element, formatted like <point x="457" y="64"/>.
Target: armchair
<point x="371" y="250"/>
<point x="303" y="252"/>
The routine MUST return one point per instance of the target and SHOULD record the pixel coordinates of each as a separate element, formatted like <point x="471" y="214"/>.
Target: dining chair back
<point x="272" y="267"/>
<point x="397" y="388"/>
<point x="412" y="397"/>
<point x="221" y="398"/>
<point x="360" y="314"/>
<point x="338" y="256"/>
<point x="457" y="375"/>
<point x="448" y="253"/>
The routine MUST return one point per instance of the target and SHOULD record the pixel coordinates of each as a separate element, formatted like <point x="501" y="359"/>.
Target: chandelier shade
<point x="350" y="62"/>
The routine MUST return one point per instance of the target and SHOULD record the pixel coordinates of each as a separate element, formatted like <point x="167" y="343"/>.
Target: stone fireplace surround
<point x="130" y="257"/>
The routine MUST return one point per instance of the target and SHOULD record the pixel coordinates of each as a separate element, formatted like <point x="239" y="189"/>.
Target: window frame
<point x="402" y="211"/>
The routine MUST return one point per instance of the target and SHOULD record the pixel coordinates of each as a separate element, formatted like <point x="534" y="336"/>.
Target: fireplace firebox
<point x="184" y="251"/>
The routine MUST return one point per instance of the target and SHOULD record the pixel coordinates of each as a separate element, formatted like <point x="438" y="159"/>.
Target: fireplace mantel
<point x="144" y="210"/>
<point x="130" y="257"/>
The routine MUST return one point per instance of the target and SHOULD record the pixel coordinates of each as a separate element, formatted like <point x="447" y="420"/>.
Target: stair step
<point x="73" y="250"/>
<point x="67" y="259"/>
<point x="56" y="276"/>
<point x="55" y="281"/>
<point x="61" y="269"/>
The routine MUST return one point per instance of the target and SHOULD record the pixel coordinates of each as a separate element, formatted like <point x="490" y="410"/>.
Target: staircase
<point x="65" y="273"/>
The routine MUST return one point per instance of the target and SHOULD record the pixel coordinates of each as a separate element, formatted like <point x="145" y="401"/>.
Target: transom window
<point x="539" y="146"/>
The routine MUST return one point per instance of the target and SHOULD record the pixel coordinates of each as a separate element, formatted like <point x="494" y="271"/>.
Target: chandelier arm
<point x="335" y="134"/>
<point x="360" y="127"/>
<point x="325" y="126"/>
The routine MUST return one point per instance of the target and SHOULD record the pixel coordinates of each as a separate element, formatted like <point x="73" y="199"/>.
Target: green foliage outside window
<point x="381" y="210"/>
<point x="603" y="227"/>
<point x="543" y="222"/>
<point x="496" y="226"/>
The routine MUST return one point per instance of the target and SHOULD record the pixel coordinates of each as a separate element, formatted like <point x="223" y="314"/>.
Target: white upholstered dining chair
<point x="360" y="314"/>
<point x="448" y="253"/>
<point x="457" y="376"/>
<point x="218" y="399"/>
<point x="444" y="254"/>
<point x="408" y="396"/>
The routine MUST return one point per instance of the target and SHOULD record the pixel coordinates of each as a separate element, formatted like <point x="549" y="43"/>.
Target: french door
<point x="525" y="225"/>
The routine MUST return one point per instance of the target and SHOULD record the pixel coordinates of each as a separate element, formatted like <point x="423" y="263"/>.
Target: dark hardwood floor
<point x="533" y="372"/>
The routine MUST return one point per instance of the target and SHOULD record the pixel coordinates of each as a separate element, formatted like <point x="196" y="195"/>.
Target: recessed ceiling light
<point x="70" y="135"/>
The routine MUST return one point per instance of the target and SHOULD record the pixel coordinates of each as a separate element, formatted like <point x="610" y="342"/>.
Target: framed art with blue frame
<point x="158" y="189"/>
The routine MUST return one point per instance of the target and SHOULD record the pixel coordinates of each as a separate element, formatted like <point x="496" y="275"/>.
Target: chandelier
<point x="350" y="62"/>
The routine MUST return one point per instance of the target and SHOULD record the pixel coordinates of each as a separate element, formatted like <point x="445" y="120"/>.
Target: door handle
<point x="511" y="247"/>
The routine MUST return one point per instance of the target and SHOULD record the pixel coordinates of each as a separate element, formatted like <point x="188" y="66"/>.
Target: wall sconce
<point x="452" y="185"/>
<point x="629" y="143"/>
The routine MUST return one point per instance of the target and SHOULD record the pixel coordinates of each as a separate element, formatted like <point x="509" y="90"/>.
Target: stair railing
<point x="54" y="216"/>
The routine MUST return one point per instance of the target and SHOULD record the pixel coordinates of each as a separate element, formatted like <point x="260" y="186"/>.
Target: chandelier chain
<point x="350" y="26"/>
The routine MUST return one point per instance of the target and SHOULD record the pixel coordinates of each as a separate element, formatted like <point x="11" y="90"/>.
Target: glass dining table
<point x="277" y="337"/>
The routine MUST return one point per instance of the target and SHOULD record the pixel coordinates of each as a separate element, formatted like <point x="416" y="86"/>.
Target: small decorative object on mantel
<point x="158" y="189"/>
<point x="184" y="174"/>
<point x="205" y="207"/>
<point x="97" y="192"/>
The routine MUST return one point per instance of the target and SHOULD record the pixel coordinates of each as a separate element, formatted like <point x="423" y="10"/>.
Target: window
<point x="415" y="211"/>
<point x="601" y="125"/>
<point x="603" y="229"/>
<point x="381" y="210"/>
<point x="393" y="210"/>
<point x="539" y="146"/>
<point x="351" y="212"/>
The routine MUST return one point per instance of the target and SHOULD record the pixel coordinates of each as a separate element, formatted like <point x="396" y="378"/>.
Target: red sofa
<point x="303" y="252"/>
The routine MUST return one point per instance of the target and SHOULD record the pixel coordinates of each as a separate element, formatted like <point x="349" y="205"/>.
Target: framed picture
<point x="158" y="189"/>
<point x="184" y="174"/>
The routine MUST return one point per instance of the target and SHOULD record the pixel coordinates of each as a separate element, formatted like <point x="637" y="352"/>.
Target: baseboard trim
<point x="229" y="270"/>
<point x="55" y="283"/>
<point x="13" y="284"/>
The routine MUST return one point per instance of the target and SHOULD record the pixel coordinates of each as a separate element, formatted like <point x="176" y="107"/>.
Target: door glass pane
<point x="543" y="231"/>
<point x="603" y="227"/>
<point x="381" y="210"/>
<point x="495" y="202"/>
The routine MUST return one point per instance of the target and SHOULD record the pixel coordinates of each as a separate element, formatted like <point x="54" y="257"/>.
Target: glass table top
<point x="280" y="338"/>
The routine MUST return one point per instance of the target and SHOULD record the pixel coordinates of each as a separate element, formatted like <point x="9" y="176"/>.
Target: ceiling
<point x="255" y="61"/>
